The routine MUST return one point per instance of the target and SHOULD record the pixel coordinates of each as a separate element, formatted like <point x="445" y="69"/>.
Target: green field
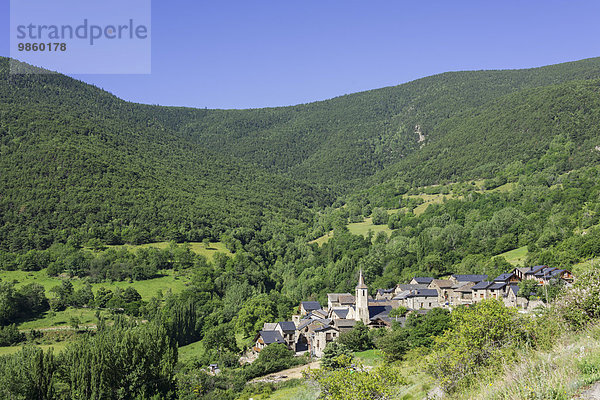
<point x="371" y="357"/>
<point x="58" y="347"/>
<point x="429" y="199"/>
<point x="363" y="228"/>
<point x="190" y="351"/>
<point x="359" y="228"/>
<point x="169" y="280"/>
<point x="516" y="256"/>
<point x="63" y="318"/>
<point x="196" y="247"/>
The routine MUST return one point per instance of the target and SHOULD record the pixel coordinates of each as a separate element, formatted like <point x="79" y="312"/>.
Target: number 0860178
<point x="42" y="46"/>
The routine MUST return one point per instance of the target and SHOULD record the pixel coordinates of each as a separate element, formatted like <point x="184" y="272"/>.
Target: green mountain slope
<point x="514" y="130"/>
<point x="346" y="139"/>
<point x="76" y="162"/>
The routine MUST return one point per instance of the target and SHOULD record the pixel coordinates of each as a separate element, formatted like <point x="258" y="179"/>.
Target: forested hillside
<point x="80" y="163"/>
<point x="77" y="163"/>
<point x="456" y="171"/>
<point x="346" y="139"/>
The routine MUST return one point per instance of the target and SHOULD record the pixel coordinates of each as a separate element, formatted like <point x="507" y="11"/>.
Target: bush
<point x="336" y="355"/>
<point x="380" y="216"/>
<point x="10" y="335"/>
<point x="357" y="339"/>
<point x="349" y="384"/>
<point x="477" y="337"/>
<point x="272" y="358"/>
<point x="580" y="304"/>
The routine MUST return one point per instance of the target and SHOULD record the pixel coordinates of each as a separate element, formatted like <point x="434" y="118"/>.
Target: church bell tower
<point x="361" y="301"/>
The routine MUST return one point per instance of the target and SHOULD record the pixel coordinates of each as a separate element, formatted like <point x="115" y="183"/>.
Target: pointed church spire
<point x="361" y="281"/>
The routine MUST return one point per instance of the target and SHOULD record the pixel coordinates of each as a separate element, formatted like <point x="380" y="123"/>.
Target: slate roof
<point x="481" y="285"/>
<point x="340" y="312"/>
<point x="470" y="278"/>
<point x="287" y="326"/>
<point x="344" y="323"/>
<point x="497" y="286"/>
<point x="304" y="323"/>
<point x="379" y="312"/>
<point x="342" y="298"/>
<point x="408" y="286"/>
<point x="269" y="326"/>
<point x="504" y="277"/>
<point x="270" y="337"/>
<point x="557" y="272"/>
<point x="423" y="293"/>
<point x="423" y="280"/>
<point x="384" y="291"/>
<point x="326" y="327"/>
<point x="534" y="270"/>
<point x="442" y="283"/>
<point x="514" y="288"/>
<point x="544" y="272"/>
<point x="402" y="295"/>
<point x="466" y="287"/>
<point x="311" y="305"/>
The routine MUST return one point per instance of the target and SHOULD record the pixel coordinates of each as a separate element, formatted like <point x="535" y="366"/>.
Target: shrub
<point x="10" y="335"/>
<point x="357" y="339"/>
<point x="477" y="336"/>
<point x="580" y="304"/>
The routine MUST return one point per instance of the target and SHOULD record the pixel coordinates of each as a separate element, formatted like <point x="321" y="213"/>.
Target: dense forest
<point x="514" y="155"/>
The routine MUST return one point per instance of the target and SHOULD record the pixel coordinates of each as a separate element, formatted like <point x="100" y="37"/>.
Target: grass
<point x="191" y="351"/>
<point x="516" y="256"/>
<point x="302" y="391"/>
<point x="295" y="389"/>
<point x="563" y="373"/>
<point x="428" y="199"/>
<point x="196" y="247"/>
<point x="52" y="319"/>
<point x="58" y="347"/>
<point x="363" y="228"/>
<point x="369" y="357"/>
<point x="585" y="266"/>
<point x="323" y="239"/>
<point x="147" y="289"/>
<point x="359" y="228"/>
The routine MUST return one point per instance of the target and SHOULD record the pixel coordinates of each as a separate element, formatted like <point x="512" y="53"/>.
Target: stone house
<point x="308" y="306"/>
<point x="479" y="291"/>
<point x="458" y="279"/>
<point x="418" y="280"/>
<point x="339" y="300"/>
<point x="265" y="338"/>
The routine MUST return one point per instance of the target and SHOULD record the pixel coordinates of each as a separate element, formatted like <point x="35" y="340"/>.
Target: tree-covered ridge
<point x="512" y="132"/>
<point x="343" y="140"/>
<point x="76" y="162"/>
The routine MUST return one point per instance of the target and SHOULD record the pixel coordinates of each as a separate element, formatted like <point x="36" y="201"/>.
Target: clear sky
<point x="241" y="54"/>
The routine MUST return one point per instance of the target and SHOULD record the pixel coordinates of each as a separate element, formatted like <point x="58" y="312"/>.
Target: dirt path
<point x="592" y="393"/>
<point x="287" y="374"/>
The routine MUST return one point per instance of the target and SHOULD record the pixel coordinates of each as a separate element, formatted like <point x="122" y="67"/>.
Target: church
<point x="316" y="326"/>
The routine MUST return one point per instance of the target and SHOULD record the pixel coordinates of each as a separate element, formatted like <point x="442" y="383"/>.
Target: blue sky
<point x="241" y="54"/>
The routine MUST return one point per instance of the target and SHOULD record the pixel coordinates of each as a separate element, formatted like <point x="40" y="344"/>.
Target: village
<point x="315" y="325"/>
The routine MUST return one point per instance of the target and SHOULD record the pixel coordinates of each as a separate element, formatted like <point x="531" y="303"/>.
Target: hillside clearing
<point x="168" y="280"/>
<point x="197" y="247"/>
<point x="516" y="256"/>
